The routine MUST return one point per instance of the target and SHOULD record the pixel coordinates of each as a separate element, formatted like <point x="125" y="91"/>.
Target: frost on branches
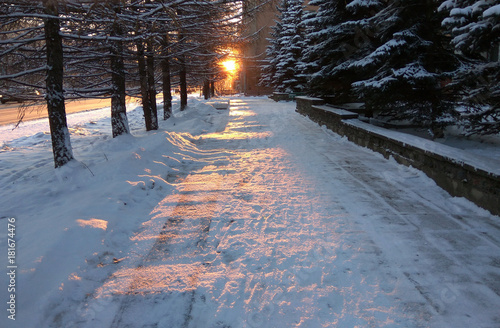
<point x="407" y="60"/>
<point x="285" y="50"/>
<point x="475" y="28"/>
<point x="405" y="74"/>
<point x="326" y="46"/>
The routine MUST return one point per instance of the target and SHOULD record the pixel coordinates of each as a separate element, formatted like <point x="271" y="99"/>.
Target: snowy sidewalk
<point x="272" y="221"/>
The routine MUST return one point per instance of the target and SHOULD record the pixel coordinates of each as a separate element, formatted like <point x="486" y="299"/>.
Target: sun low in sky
<point x="230" y="66"/>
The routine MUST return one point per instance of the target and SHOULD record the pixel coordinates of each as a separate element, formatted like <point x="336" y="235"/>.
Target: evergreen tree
<point x="326" y="45"/>
<point x="269" y="68"/>
<point x="405" y="73"/>
<point x="285" y="51"/>
<point x="357" y="36"/>
<point x="287" y="77"/>
<point x="475" y="27"/>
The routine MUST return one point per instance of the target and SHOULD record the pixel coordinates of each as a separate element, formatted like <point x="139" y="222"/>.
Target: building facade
<point x="258" y="19"/>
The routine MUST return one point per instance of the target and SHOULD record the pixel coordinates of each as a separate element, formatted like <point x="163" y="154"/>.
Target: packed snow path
<point x="276" y="222"/>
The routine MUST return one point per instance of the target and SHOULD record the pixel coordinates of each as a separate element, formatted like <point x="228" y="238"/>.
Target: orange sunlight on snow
<point x="231" y="230"/>
<point x="94" y="223"/>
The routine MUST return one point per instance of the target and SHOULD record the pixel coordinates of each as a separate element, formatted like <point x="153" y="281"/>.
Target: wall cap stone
<point x="339" y="112"/>
<point x="457" y="156"/>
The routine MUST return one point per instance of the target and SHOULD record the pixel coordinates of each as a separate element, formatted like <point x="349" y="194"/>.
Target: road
<point x="9" y="112"/>
<point x="275" y="222"/>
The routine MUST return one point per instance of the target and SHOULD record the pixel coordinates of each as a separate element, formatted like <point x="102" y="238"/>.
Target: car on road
<point x="4" y="98"/>
<point x="20" y="94"/>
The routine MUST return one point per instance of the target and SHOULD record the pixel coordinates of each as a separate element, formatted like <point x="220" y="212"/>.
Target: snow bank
<point x="68" y="216"/>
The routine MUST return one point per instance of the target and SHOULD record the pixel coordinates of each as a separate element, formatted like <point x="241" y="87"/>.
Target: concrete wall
<point x="458" y="176"/>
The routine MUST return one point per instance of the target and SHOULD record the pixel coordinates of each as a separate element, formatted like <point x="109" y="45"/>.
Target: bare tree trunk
<point x="206" y="89"/>
<point x="182" y="69"/>
<point x="119" y="121"/>
<point x="150" y="68"/>
<point x="183" y="82"/>
<point x="61" y="144"/>
<point x="165" y="68"/>
<point x="150" y="81"/>
<point x="144" y="86"/>
<point x="212" y="88"/>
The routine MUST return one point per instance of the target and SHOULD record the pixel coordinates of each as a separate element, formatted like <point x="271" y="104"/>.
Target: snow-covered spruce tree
<point x="475" y="27"/>
<point x="269" y="68"/>
<point x="286" y="51"/>
<point x="331" y="38"/>
<point x="412" y="61"/>
<point x="306" y="64"/>
<point x="355" y="35"/>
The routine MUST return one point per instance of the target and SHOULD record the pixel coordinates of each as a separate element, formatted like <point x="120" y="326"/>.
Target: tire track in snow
<point x="185" y="231"/>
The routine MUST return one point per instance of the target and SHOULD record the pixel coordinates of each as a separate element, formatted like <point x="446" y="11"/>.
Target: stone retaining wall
<point x="456" y="174"/>
<point x="280" y="96"/>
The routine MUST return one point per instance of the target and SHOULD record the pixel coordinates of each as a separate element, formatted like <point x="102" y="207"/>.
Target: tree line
<point x="55" y="50"/>
<point x="427" y="62"/>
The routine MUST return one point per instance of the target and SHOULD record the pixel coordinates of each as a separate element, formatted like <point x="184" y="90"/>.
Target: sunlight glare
<point x="230" y="66"/>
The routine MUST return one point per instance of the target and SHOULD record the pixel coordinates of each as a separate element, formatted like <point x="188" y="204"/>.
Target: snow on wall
<point x="459" y="173"/>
